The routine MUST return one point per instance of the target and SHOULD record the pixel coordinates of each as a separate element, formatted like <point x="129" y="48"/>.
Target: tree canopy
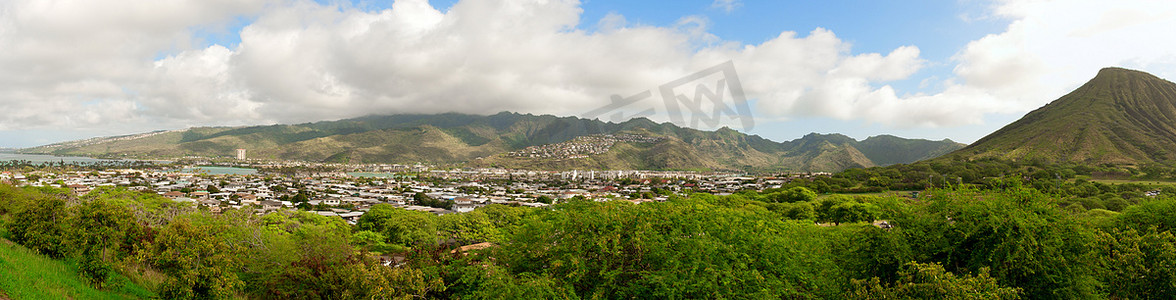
<point x="1005" y="241"/>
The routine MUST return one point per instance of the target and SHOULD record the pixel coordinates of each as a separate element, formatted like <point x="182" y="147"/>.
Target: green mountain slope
<point x="1120" y="117"/>
<point x="886" y="150"/>
<point x="487" y="141"/>
<point x="824" y="152"/>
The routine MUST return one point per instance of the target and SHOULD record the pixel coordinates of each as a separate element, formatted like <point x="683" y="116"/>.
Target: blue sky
<point x="922" y="69"/>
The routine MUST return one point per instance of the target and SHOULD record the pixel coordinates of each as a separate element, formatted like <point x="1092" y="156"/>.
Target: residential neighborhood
<point x="349" y="195"/>
<point x="581" y="147"/>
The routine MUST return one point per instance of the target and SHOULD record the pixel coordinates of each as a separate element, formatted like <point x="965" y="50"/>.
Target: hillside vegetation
<point x="1120" y="117"/>
<point x="484" y="141"/>
<point x="1007" y="241"/>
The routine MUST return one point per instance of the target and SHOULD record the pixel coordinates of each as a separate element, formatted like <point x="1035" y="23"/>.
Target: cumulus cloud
<point x="97" y="63"/>
<point x="80" y="64"/>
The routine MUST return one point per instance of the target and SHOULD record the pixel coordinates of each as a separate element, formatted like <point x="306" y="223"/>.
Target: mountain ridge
<point x="484" y="141"/>
<point x="1121" y="117"/>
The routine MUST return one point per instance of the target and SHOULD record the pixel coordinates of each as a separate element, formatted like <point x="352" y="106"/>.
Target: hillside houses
<point x="581" y="147"/>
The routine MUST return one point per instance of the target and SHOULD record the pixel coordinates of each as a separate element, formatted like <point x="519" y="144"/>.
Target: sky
<point x="958" y="69"/>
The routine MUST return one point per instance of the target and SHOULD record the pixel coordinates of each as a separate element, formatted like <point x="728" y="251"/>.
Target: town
<point x="331" y="192"/>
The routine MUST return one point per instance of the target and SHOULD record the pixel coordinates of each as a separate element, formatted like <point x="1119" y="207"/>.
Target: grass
<point x="1145" y="182"/>
<point x="24" y="274"/>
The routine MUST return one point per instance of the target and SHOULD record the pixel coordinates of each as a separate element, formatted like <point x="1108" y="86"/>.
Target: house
<point x="395" y="200"/>
<point x="247" y="199"/>
<point x="354" y="200"/>
<point x="173" y="195"/>
<point x="332" y="201"/>
<point x="271" y="205"/>
<point x="463" y="204"/>
<point x="567" y="195"/>
<point x="351" y="217"/>
<point x="210" y="203"/>
<point x="433" y="210"/>
<point x="79" y="189"/>
<point x="465" y="207"/>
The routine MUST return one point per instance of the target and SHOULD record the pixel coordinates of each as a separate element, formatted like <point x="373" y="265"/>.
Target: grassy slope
<point x="1120" y="117"/>
<point x="25" y="274"/>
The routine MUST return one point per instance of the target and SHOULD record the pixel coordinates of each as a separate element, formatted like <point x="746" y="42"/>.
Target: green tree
<point x="685" y="248"/>
<point x="372" y="280"/>
<point x="96" y="229"/>
<point x="794" y="211"/>
<point x="795" y="194"/>
<point x="931" y="281"/>
<point x="400" y="226"/>
<point x="146" y="208"/>
<point x="13" y="199"/>
<point x="38" y="226"/>
<point x="374" y="242"/>
<point x="498" y="283"/>
<point x="425" y="200"/>
<point x="1022" y="235"/>
<point x="471" y="227"/>
<point x="1135" y="265"/>
<point x="314" y="259"/>
<point x="198" y="261"/>
<point x="839" y="209"/>
<point x="300" y="198"/>
<point x="852" y="211"/>
<point x="1159" y="214"/>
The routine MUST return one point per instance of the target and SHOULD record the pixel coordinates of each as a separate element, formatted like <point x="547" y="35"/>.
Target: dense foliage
<point x="1012" y="241"/>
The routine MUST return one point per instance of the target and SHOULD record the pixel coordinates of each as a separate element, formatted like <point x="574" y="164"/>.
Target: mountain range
<point x="1120" y="117"/>
<point x="489" y="141"/>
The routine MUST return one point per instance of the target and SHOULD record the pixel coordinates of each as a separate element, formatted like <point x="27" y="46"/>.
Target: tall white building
<point x="241" y="154"/>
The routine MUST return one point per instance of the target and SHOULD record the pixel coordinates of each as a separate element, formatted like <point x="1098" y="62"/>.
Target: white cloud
<point x="1051" y="47"/>
<point x="198" y="86"/>
<point x="80" y="64"/>
<point x="96" y="63"/>
<point x="727" y="5"/>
